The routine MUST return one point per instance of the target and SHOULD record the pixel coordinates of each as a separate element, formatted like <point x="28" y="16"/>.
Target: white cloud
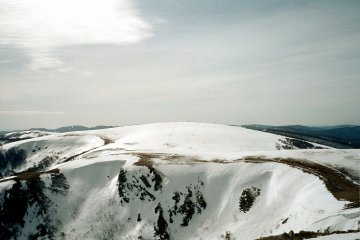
<point x="40" y="26"/>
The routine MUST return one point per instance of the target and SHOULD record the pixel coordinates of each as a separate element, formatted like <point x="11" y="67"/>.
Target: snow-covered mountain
<point x="177" y="181"/>
<point x="12" y="136"/>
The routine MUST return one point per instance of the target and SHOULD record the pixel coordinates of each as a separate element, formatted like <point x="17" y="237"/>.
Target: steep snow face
<point x="197" y="201"/>
<point x="176" y="181"/>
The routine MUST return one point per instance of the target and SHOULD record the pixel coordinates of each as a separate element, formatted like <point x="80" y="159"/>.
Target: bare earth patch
<point x="29" y="176"/>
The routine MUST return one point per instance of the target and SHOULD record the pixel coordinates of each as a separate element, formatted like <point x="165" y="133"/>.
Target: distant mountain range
<point x="341" y="136"/>
<point x="62" y="129"/>
<point x="12" y="136"/>
<point x="72" y="128"/>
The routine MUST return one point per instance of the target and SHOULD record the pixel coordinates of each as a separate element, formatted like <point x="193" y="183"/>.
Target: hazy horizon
<point x="106" y="126"/>
<point x="122" y="62"/>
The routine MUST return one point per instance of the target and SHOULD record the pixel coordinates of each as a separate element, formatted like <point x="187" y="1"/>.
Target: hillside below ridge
<point x="176" y="181"/>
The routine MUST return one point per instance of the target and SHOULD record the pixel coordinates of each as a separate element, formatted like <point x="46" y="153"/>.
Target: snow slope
<point x="174" y="181"/>
<point x="26" y="134"/>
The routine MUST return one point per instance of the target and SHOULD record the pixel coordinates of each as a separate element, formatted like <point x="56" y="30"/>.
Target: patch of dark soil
<point x="107" y="140"/>
<point x="145" y="159"/>
<point x="29" y="176"/>
<point x="33" y="176"/>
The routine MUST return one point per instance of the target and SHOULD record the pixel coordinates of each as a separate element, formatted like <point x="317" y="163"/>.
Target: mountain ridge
<point x="341" y="136"/>
<point x="175" y="181"/>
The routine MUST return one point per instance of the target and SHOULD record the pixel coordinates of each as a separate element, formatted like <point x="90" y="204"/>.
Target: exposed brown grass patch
<point x="144" y="163"/>
<point x="30" y="176"/>
<point x="107" y="140"/>
<point x="174" y="158"/>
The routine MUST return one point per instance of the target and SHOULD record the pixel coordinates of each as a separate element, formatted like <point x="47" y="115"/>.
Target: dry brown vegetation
<point x="174" y="159"/>
<point x="145" y="159"/>
<point x="107" y="140"/>
<point x="29" y="176"/>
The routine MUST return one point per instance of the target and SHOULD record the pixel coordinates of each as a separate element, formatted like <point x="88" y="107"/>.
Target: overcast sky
<point x="117" y="62"/>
